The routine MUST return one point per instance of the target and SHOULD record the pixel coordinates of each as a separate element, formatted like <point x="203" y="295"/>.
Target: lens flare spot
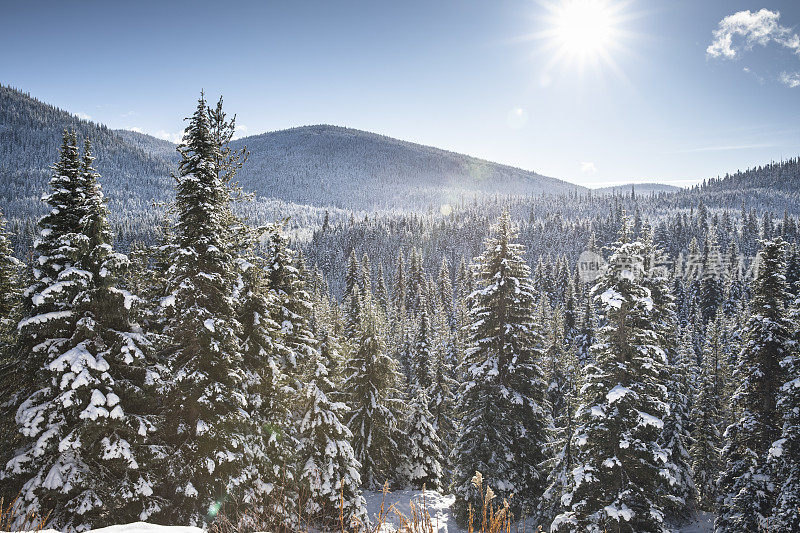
<point x="517" y="118"/>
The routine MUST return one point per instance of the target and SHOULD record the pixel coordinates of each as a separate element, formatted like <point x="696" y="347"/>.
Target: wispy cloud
<point x="759" y="28"/>
<point x="83" y="116"/>
<point x="136" y="129"/>
<point x="241" y="131"/>
<point x="588" y="167"/>
<point x="790" y="79"/>
<point x="128" y="114"/>
<point x="167" y="136"/>
<point x="723" y="148"/>
<point x="759" y="78"/>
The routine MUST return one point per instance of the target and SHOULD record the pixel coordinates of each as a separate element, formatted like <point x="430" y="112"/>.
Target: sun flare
<point x="584" y="32"/>
<point x="584" y="27"/>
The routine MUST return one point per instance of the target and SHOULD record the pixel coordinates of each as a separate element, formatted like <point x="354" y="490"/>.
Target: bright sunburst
<point x="584" y="27"/>
<point x="585" y="33"/>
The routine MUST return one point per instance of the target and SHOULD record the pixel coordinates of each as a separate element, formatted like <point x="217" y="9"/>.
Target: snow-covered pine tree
<point x="616" y="479"/>
<point x="267" y="387"/>
<point x="445" y="294"/>
<point x="365" y="276"/>
<point x="705" y="420"/>
<point x="292" y="311"/>
<point x="586" y="334"/>
<point x="442" y="407"/>
<point x="505" y="417"/>
<point x="710" y="291"/>
<point x="563" y="390"/>
<point x="10" y="291"/>
<point x="400" y="288"/>
<point x="329" y="473"/>
<point x="50" y="318"/>
<point x="424" y="458"/>
<point x="373" y="398"/>
<point x="206" y="421"/>
<point x="10" y="314"/>
<point x="747" y="489"/>
<point x="785" y="452"/>
<point x="381" y="292"/>
<point x="85" y="457"/>
<point x="422" y="355"/>
<point x="679" y="496"/>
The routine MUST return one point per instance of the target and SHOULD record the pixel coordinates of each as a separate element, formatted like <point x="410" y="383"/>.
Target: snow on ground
<point x="703" y="524"/>
<point x="438" y="505"/>
<point x="139" y="527"/>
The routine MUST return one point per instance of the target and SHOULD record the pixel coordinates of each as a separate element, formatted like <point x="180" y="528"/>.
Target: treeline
<point x="216" y="372"/>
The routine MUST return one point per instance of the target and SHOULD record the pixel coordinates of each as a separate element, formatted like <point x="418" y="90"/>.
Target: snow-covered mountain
<point x="316" y="165"/>
<point x="330" y="165"/>
<point x="639" y="188"/>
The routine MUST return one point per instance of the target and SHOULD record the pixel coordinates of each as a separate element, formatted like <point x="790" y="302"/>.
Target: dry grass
<point x="11" y="520"/>
<point x="278" y="516"/>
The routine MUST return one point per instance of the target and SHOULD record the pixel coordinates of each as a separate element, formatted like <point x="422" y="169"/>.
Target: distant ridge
<point x="639" y="188"/>
<point x="349" y="168"/>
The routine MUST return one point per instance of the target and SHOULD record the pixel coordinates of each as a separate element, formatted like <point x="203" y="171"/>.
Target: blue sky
<point x="672" y="102"/>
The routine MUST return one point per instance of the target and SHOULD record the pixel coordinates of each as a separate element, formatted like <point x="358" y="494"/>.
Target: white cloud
<point x="83" y="116"/>
<point x="588" y="167"/>
<point x="758" y="77"/>
<point x="760" y="28"/>
<point x="128" y="114"/>
<point x="167" y="136"/>
<point x="136" y="129"/>
<point x="241" y="131"/>
<point x="790" y="79"/>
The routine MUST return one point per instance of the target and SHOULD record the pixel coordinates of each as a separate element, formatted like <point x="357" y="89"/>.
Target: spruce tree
<point x="50" y="318"/>
<point x="623" y="403"/>
<point x="563" y="390"/>
<point x="292" y="311"/>
<point x="505" y="417"/>
<point x="266" y="384"/>
<point x="85" y="457"/>
<point x="329" y="472"/>
<point x="10" y="314"/>
<point x="206" y="422"/>
<point x="422" y="356"/>
<point x="424" y="454"/>
<point x="711" y="280"/>
<point x="10" y="291"/>
<point x="678" y="491"/>
<point x="705" y="417"/>
<point x="442" y="408"/>
<point x="785" y="452"/>
<point x="373" y="398"/>
<point x="747" y="489"/>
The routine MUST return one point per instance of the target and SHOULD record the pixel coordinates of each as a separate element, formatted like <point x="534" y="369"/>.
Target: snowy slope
<point x="438" y="505"/>
<point x="344" y="167"/>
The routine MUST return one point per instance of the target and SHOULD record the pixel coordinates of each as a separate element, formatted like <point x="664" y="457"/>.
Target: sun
<point x="584" y="33"/>
<point x="584" y="27"/>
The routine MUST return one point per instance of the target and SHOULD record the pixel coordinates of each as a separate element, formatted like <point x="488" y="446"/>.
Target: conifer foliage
<point x="785" y="452"/>
<point x="206" y="423"/>
<point x="746" y="486"/>
<point x="505" y="419"/>
<point x="371" y="385"/>
<point x="329" y="469"/>
<point x="84" y="417"/>
<point x="615" y="481"/>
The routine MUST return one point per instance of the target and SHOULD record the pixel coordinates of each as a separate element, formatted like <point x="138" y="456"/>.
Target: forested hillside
<point x="330" y="165"/>
<point x="245" y="377"/>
